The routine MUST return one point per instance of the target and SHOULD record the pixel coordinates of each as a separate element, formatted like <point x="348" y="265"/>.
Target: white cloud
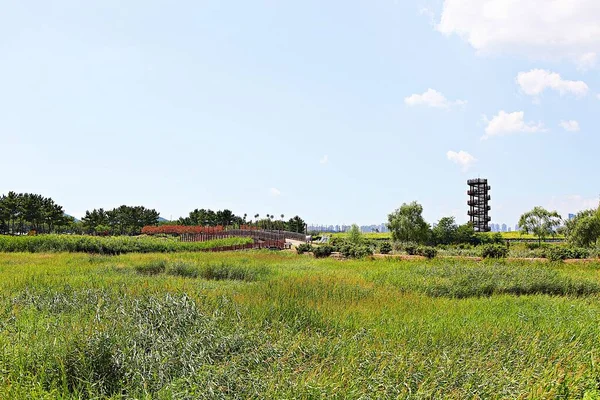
<point x="508" y="123"/>
<point x="274" y="192"/>
<point x="539" y="29"/>
<point x="324" y="160"/>
<point x="570" y="126"/>
<point x="534" y="82"/>
<point x="598" y="96"/>
<point x="462" y="158"/>
<point x="432" y="98"/>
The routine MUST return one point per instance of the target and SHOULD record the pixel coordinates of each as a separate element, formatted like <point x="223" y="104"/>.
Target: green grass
<point x="108" y="245"/>
<point x="279" y="325"/>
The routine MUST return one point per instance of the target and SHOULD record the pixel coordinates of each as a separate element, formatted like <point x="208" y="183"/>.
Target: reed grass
<point x="290" y="326"/>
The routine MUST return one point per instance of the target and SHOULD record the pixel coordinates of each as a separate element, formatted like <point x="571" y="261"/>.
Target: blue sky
<point x="336" y="111"/>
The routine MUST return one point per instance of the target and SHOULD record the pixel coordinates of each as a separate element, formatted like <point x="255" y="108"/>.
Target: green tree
<point x="465" y="233"/>
<point x="584" y="229"/>
<point x="407" y="224"/>
<point x="354" y="235"/>
<point x="540" y="222"/>
<point x="296" y="224"/>
<point x="445" y="232"/>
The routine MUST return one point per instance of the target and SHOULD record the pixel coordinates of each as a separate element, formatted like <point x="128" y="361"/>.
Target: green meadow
<point x="259" y="324"/>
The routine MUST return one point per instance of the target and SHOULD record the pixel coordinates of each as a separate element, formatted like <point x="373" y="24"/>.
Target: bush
<point x="322" y="251"/>
<point x="385" y="248"/>
<point x="427" y="251"/>
<point x="557" y="253"/>
<point x="356" y="251"/>
<point x="494" y="251"/>
<point x="304" y="248"/>
<point x="411" y="249"/>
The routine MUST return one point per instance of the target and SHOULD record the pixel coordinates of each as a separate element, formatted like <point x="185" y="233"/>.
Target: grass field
<point x="279" y="325"/>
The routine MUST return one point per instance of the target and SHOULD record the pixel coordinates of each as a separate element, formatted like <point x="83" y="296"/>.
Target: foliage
<point x="427" y="251"/>
<point x="296" y="224"/>
<point x="385" y="248"/>
<point x="354" y="235"/>
<point x="322" y="251"/>
<point x="24" y="212"/>
<point x="304" y="248"/>
<point x="123" y="220"/>
<point x="584" y="229"/>
<point x="540" y="222"/>
<point x="107" y="245"/>
<point x="445" y="232"/>
<point x="407" y="224"/>
<point x="494" y="251"/>
<point x="560" y="253"/>
<point x="351" y="250"/>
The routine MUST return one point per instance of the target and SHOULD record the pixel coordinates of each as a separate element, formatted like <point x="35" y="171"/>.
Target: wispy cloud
<point x="432" y="98"/>
<point x="275" y="192"/>
<point x="570" y="126"/>
<point x="324" y="159"/>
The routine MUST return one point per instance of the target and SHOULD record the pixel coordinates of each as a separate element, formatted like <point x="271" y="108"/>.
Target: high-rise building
<point x="479" y="204"/>
<point x="504" y="227"/>
<point x="571" y="216"/>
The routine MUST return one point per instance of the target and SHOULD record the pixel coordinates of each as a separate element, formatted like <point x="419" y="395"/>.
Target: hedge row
<point x="108" y="245"/>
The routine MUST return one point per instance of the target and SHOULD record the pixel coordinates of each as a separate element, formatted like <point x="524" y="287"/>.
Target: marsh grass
<point x="107" y="245"/>
<point x="74" y="328"/>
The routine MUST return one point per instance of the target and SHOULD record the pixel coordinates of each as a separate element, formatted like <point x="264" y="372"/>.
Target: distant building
<point x="571" y="216"/>
<point x="504" y="227"/>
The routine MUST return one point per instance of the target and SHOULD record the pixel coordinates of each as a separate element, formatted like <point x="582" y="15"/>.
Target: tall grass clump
<point x="458" y="280"/>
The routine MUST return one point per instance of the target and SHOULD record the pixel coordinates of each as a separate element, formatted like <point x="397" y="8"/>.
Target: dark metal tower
<point x="479" y="204"/>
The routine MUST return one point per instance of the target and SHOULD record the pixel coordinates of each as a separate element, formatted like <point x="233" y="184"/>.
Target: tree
<point x="296" y="224"/>
<point x="584" y="229"/>
<point x="407" y="223"/>
<point x="355" y="235"/>
<point x="540" y="222"/>
<point x="445" y="232"/>
<point x="465" y="234"/>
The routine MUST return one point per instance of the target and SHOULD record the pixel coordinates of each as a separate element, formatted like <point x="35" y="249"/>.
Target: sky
<point x="337" y="111"/>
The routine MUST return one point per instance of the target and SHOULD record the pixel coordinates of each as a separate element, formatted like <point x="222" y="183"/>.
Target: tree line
<point x="408" y="225"/>
<point x="207" y="217"/>
<point x="22" y="213"/>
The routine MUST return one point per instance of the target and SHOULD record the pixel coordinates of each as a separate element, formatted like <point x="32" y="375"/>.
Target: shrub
<point x="322" y="251"/>
<point x="558" y="253"/>
<point x="494" y="251"/>
<point x="411" y="249"/>
<point x="385" y="248"/>
<point x="427" y="251"/>
<point x="356" y="251"/>
<point x="304" y="248"/>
